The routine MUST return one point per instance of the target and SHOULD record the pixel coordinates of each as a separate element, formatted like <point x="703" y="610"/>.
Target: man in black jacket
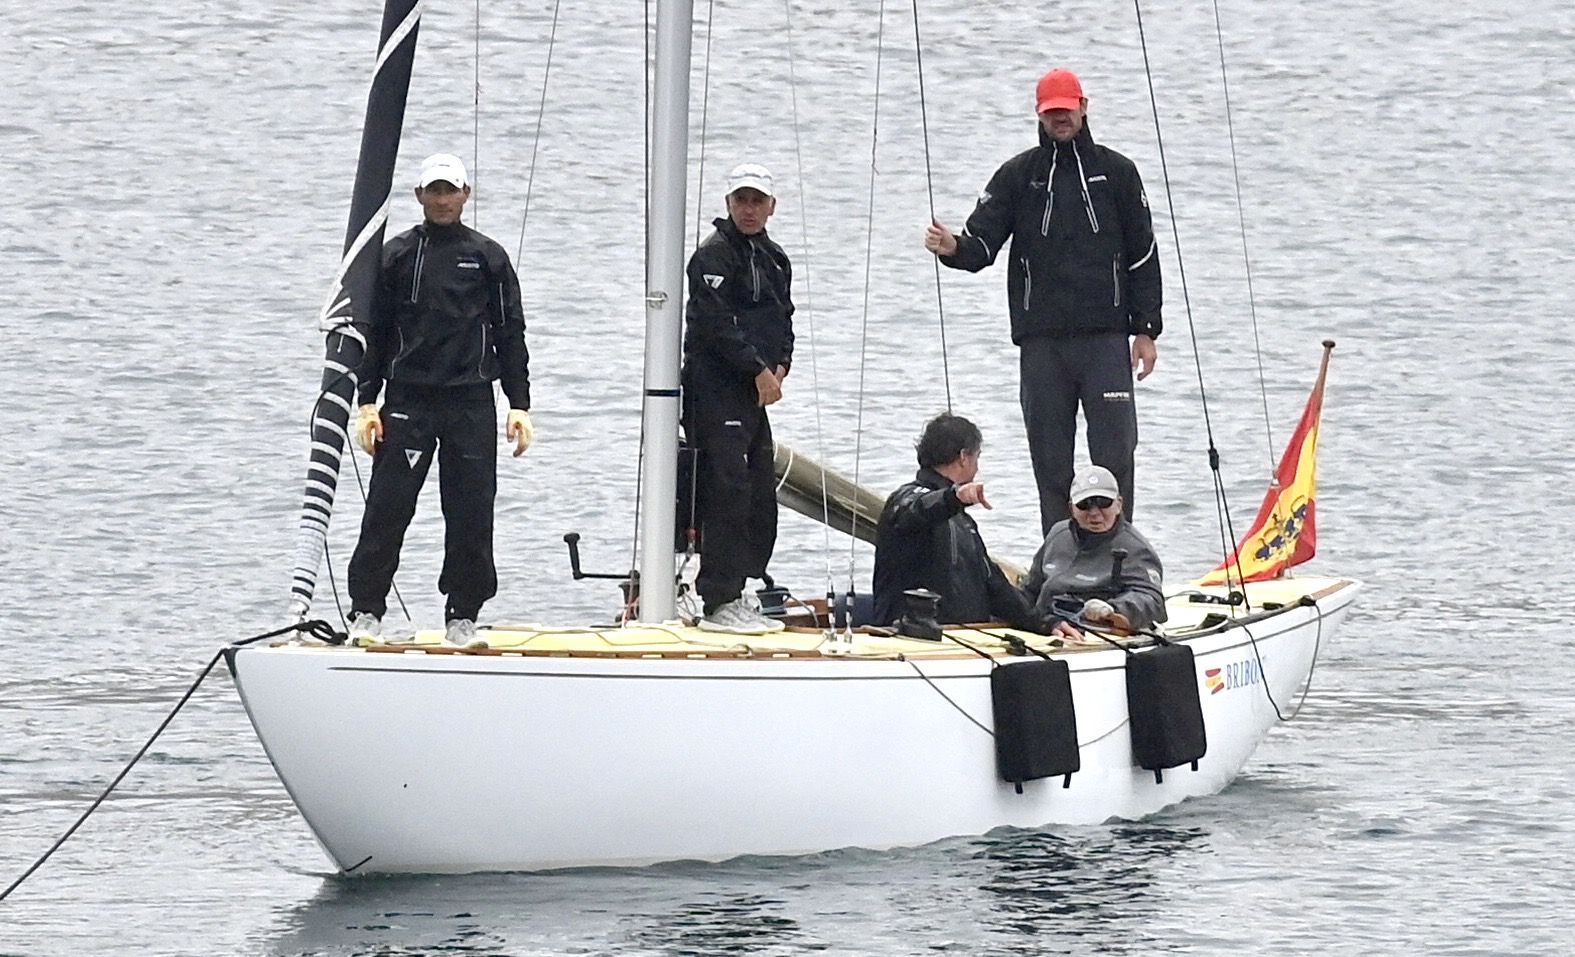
<point x="1082" y="277"/>
<point x="448" y="321"/>
<point x="738" y="347"/>
<point x="926" y="539"/>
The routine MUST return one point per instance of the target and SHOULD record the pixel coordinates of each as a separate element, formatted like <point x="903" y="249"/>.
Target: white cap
<point x="1094" y="480"/>
<point x="442" y="166"/>
<point x="749" y="176"/>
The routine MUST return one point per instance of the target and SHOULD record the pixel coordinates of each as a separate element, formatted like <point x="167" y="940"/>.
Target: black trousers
<point x="462" y="432"/>
<point x="735" y="494"/>
<point x="1057" y="375"/>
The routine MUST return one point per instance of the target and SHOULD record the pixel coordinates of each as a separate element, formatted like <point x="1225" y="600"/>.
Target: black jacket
<point x="740" y="314"/>
<point x="926" y="539"/>
<point x="1083" y="259"/>
<point x="1075" y="564"/>
<point x="448" y="315"/>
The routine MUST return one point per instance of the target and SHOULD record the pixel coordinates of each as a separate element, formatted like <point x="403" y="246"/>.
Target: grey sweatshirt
<point x="1073" y="563"/>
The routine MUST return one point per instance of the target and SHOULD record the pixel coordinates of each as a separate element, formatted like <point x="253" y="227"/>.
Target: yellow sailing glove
<point x="368" y="428"/>
<point x="520" y="430"/>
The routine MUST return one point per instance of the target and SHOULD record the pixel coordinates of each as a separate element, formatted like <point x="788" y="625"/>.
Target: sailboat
<point x="649" y="741"/>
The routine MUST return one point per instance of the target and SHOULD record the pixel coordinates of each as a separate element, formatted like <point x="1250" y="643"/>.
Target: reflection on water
<point x="724" y="923"/>
<point x="1042" y="884"/>
<point x="1013" y="891"/>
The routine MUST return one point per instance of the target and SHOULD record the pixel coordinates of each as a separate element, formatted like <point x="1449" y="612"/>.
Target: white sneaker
<point x="365" y="628"/>
<point x="461" y="633"/>
<point x="738" y="618"/>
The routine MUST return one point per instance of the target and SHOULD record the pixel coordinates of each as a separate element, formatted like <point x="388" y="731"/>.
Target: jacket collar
<point x="1084" y="140"/>
<point x="435" y="231"/>
<point x="1085" y="538"/>
<point x="729" y="230"/>
<point x="929" y="478"/>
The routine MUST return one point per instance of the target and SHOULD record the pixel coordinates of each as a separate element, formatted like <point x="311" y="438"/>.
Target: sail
<point x="347" y="312"/>
<point x="1284" y="533"/>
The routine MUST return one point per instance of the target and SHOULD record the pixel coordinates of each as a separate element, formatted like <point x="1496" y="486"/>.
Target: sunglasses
<point x="1096" y="501"/>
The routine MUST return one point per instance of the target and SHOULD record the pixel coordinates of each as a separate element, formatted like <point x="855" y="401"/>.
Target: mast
<point x="664" y="306"/>
<point x="347" y="313"/>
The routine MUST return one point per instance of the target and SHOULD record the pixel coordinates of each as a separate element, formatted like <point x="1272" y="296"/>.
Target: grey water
<point x="179" y="176"/>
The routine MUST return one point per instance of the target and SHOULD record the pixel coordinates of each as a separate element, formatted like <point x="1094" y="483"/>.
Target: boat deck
<point x="1187" y="616"/>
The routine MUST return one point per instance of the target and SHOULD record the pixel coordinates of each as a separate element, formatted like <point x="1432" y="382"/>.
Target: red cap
<point x="1059" y="90"/>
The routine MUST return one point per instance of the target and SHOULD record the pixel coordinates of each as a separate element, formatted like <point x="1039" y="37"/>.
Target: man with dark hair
<point x="447" y="322"/>
<point x="1076" y="573"/>
<point x="738" y="346"/>
<point x="1082" y="278"/>
<point x="926" y="538"/>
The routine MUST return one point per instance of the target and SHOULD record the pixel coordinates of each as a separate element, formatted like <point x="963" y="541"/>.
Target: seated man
<point x="1076" y="569"/>
<point x="926" y="539"/>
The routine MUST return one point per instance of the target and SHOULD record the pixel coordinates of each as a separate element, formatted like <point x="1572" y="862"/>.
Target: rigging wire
<point x="864" y="322"/>
<point x="929" y="186"/>
<point x="705" y="102"/>
<point x="639" y="460"/>
<point x="1241" y="214"/>
<point x="1221" y="503"/>
<point x="535" y="145"/>
<point x="475" y="136"/>
<point x="809" y="310"/>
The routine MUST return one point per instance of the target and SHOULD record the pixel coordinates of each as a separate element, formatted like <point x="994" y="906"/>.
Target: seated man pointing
<point x="1078" y="572"/>
<point x="926" y="539"/>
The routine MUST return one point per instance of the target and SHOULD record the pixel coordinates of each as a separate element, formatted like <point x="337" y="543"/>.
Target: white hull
<point x="458" y="763"/>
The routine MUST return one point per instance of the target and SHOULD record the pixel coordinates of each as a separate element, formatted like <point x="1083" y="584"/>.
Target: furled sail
<point x="810" y="489"/>
<point x="347" y="312"/>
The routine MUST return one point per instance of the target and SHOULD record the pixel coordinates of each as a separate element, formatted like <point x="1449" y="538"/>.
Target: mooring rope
<point x="317" y="628"/>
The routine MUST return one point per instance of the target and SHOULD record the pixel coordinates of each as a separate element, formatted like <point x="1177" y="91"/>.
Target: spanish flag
<point x="1283" y="533"/>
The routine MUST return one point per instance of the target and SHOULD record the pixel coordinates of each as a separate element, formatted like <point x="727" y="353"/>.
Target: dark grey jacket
<point x="1076" y="564"/>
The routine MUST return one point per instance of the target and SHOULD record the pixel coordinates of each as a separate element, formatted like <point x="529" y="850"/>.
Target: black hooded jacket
<point x="1083" y="260"/>
<point x="926" y="539"/>
<point x="448" y="316"/>
<point x="740" y="314"/>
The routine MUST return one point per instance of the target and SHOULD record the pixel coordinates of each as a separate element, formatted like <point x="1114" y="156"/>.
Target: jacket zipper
<point x="1082" y="182"/>
<point x="421" y="255"/>
<point x="1044" y="224"/>
<point x="1115" y="276"/>
<point x="1028" y="282"/>
<point x="754" y="272"/>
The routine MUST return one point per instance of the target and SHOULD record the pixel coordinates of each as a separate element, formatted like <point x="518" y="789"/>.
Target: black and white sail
<point x="347" y="312"/>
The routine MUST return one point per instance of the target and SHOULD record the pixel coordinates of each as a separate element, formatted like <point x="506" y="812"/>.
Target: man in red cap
<point x="1083" y="288"/>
